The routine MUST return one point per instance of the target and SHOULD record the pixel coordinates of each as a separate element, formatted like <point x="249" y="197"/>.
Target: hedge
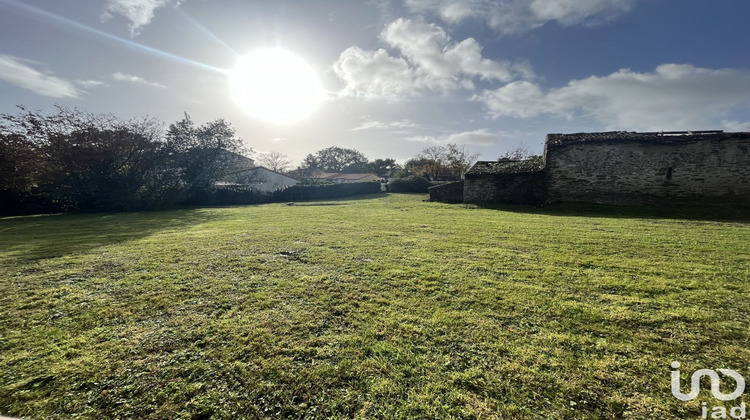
<point x="237" y="195"/>
<point x="410" y="184"/>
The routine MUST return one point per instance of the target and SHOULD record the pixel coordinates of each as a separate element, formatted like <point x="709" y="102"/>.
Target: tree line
<point x="76" y="161"/>
<point x="72" y="160"/>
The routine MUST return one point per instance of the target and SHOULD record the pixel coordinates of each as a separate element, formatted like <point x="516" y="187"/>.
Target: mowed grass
<point x="380" y="307"/>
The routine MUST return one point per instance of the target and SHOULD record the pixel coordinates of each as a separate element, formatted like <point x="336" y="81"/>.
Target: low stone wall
<point x="452" y="192"/>
<point x="519" y="188"/>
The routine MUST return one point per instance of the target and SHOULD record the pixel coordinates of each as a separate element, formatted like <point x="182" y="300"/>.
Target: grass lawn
<point x="379" y="307"/>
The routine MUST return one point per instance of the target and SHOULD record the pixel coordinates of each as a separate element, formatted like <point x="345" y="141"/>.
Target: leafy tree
<point x="201" y="155"/>
<point x="333" y="159"/>
<point x="82" y="161"/>
<point x="357" y="168"/>
<point x="384" y="167"/>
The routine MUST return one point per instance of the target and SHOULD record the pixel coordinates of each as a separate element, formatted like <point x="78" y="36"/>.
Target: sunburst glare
<point x="275" y="85"/>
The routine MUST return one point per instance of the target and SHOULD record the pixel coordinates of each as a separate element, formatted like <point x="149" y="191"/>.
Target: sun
<point x="275" y="85"/>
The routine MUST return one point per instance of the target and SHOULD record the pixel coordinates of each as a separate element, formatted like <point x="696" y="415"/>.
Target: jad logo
<point x="718" y="412"/>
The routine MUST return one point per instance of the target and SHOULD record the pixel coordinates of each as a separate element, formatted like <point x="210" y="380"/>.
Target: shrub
<point x="410" y="184"/>
<point x="236" y="194"/>
<point x="316" y="192"/>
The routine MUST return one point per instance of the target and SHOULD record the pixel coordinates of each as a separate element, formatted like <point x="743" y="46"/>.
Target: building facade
<point x="674" y="168"/>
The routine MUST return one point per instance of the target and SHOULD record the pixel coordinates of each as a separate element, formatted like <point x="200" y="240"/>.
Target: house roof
<point x="256" y="168"/>
<point x="348" y="177"/>
<point x="660" y="137"/>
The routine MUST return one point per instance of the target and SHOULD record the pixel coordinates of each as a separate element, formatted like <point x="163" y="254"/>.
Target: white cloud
<point x="481" y="137"/>
<point x="129" y="78"/>
<point x="674" y="96"/>
<point x="379" y="125"/>
<point x="374" y="73"/>
<point x="430" y="61"/>
<point x="138" y="12"/>
<point x="519" y="16"/>
<point x="89" y="83"/>
<point x="19" y="72"/>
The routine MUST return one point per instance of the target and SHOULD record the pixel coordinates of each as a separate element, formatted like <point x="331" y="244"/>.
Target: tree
<point x="450" y="161"/>
<point x="275" y="161"/>
<point x="519" y="153"/>
<point x="333" y="159"/>
<point x="429" y="162"/>
<point x="82" y="161"/>
<point x="384" y="167"/>
<point x="201" y="155"/>
<point x="459" y="160"/>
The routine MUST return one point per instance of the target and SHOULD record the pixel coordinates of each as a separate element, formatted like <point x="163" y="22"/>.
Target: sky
<point x="397" y="76"/>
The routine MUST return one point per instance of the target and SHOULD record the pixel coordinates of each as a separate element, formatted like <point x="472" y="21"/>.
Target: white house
<point x="257" y="177"/>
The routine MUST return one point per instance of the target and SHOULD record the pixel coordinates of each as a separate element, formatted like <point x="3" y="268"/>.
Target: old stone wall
<point x="452" y="192"/>
<point x="512" y="188"/>
<point x="693" y="171"/>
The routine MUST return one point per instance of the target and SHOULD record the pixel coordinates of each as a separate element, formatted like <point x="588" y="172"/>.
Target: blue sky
<point x="399" y="75"/>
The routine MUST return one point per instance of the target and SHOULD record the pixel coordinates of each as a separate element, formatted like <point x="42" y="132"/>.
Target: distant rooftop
<point x="648" y="137"/>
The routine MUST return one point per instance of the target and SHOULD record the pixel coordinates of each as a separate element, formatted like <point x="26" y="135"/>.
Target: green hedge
<point x="236" y="195"/>
<point x="317" y="192"/>
<point x="410" y="184"/>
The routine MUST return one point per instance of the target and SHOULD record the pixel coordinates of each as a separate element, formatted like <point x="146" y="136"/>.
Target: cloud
<point x="89" y="83"/>
<point x="519" y="16"/>
<point x="378" y="125"/>
<point x="480" y="137"/>
<point x="430" y="61"/>
<point x="374" y="73"/>
<point x="138" y="12"/>
<point x="129" y="78"/>
<point x="674" y="96"/>
<point x="19" y="72"/>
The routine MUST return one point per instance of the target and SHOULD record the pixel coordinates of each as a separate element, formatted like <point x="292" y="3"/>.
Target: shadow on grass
<point x="28" y="238"/>
<point x="696" y="213"/>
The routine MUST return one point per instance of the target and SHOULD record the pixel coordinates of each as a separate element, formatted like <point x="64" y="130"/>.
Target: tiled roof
<point x="651" y="137"/>
<point x="348" y="177"/>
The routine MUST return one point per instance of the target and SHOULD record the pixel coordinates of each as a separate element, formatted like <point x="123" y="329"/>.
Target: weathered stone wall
<point x="688" y="171"/>
<point x="452" y="192"/>
<point x="520" y="188"/>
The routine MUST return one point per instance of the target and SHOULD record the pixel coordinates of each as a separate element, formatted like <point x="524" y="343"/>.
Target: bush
<point x="237" y="195"/>
<point x="317" y="192"/>
<point x="410" y="184"/>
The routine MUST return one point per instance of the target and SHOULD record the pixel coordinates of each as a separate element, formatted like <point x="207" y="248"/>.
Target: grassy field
<point x="379" y="307"/>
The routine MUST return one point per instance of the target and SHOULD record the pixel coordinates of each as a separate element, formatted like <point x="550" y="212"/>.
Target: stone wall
<point x="678" y="170"/>
<point x="452" y="192"/>
<point x="512" y="188"/>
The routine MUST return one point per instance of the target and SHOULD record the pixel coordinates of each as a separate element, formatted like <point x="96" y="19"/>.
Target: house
<point x="315" y="175"/>
<point x="347" y="178"/>
<point x="617" y="167"/>
<point x="245" y="172"/>
<point x="259" y="178"/>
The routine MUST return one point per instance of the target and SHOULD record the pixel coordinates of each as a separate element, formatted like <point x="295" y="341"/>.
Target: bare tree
<point x="275" y="161"/>
<point x="459" y="160"/>
<point x="519" y="153"/>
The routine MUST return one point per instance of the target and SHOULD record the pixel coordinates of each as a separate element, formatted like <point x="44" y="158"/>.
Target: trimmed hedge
<point x="237" y="195"/>
<point x="317" y="192"/>
<point x="410" y="184"/>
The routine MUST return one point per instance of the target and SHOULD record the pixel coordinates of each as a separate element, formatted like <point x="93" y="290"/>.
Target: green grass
<point x="379" y="307"/>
